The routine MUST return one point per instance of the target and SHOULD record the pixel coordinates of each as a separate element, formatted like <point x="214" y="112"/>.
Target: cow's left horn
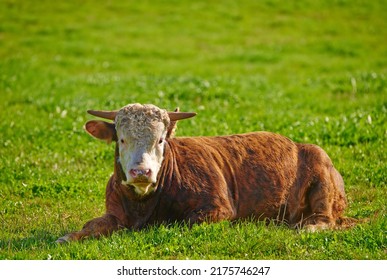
<point x="110" y="115"/>
<point x="175" y="116"/>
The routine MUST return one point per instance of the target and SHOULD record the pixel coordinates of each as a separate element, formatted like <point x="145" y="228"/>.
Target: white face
<point x="141" y="141"/>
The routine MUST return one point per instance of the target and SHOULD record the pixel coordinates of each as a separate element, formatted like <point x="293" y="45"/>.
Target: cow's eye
<point x="161" y="140"/>
<point x="122" y="141"/>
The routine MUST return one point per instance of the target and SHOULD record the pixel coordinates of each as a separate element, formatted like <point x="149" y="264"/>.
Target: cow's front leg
<point x="101" y="226"/>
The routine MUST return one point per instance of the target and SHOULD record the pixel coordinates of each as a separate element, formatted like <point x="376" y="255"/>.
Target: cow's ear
<point x="102" y="130"/>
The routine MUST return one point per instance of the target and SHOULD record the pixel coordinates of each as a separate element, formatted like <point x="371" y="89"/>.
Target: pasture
<point x="314" y="71"/>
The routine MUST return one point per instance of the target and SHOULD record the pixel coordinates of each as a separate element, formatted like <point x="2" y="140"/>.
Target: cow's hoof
<point x="316" y="228"/>
<point x="63" y="239"/>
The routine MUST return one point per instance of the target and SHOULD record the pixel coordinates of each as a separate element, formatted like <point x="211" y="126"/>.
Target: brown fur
<point x="260" y="175"/>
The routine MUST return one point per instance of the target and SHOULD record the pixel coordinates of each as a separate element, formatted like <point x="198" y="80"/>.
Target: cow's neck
<point x="164" y="178"/>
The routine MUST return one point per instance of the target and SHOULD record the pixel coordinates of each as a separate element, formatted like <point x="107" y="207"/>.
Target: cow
<point x="160" y="179"/>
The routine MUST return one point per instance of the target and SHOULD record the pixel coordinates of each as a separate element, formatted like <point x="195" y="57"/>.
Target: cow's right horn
<point x="110" y="115"/>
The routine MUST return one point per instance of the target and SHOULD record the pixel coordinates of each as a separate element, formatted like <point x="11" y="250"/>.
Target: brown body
<point x="256" y="175"/>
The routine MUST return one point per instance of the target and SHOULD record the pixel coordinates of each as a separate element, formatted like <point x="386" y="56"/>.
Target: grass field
<point x="314" y="71"/>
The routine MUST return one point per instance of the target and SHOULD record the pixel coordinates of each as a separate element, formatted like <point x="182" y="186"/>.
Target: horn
<point x="175" y="116"/>
<point x="110" y="115"/>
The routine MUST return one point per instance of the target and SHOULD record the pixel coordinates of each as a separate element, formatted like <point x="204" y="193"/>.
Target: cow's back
<point x="246" y="175"/>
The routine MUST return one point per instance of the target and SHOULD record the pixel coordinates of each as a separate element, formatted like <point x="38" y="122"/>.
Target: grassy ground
<point x="314" y="71"/>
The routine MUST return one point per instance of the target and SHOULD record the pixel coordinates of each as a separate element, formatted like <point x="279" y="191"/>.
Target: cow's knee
<point x="320" y="199"/>
<point x="210" y="215"/>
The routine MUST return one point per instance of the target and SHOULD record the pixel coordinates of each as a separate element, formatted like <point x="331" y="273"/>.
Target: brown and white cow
<point x="158" y="179"/>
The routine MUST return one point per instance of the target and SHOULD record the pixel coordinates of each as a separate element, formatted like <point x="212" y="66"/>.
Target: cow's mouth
<point x="143" y="188"/>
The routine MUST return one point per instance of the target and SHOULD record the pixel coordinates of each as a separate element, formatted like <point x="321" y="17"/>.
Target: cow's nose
<point x="140" y="172"/>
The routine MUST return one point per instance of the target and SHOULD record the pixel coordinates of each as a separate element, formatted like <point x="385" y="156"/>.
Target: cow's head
<point x="140" y="132"/>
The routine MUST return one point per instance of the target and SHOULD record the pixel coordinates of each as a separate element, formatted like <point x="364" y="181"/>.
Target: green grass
<point x="314" y="71"/>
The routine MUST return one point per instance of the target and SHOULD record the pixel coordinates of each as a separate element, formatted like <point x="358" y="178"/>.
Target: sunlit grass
<point x="314" y="71"/>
